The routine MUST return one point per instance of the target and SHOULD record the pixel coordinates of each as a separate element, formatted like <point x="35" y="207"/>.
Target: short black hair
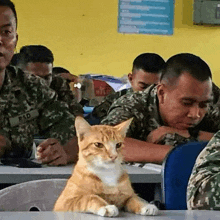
<point x="149" y="62"/>
<point x="59" y="70"/>
<point x="33" y="54"/>
<point x="10" y="4"/>
<point x="186" y="62"/>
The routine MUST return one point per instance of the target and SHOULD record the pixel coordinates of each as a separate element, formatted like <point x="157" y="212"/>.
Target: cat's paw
<point x="109" y="210"/>
<point x="149" y="209"/>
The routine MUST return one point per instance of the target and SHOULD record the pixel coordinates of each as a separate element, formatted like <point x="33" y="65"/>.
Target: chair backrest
<point x="176" y="170"/>
<point x="38" y="195"/>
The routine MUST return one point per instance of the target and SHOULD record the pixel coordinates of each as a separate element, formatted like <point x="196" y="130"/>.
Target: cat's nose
<point x="113" y="157"/>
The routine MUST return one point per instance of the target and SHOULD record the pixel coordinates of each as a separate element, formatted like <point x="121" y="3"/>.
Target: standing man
<point x="175" y="111"/>
<point x="28" y="105"/>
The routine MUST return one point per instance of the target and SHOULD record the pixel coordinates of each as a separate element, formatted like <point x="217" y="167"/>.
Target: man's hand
<point x="69" y="76"/>
<point x="51" y="152"/>
<point x="4" y="145"/>
<point x="158" y="134"/>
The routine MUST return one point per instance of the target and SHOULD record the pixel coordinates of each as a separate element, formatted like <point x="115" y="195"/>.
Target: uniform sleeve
<point x="54" y="120"/>
<point x="203" y="191"/>
<point x="101" y="110"/>
<point x="211" y="121"/>
<point x="57" y="122"/>
<point x="174" y="139"/>
<point x="65" y="94"/>
<point x="129" y="106"/>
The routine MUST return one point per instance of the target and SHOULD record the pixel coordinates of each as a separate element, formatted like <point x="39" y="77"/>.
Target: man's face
<point x="43" y="70"/>
<point x="185" y="104"/>
<point x="140" y="79"/>
<point x="8" y="36"/>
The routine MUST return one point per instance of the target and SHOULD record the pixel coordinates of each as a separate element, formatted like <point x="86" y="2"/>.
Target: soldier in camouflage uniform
<point x="145" y="72"/>
<point x="38" y="60"/>
<point x="203" y="191"/>
<point x="64" y="73"/>
<point x="171" y="113"/>
<point x="28" y="105"/>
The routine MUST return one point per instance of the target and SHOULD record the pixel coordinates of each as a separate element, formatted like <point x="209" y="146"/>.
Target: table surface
<point x="165" y="215"/>
<point x="9" y="174"/>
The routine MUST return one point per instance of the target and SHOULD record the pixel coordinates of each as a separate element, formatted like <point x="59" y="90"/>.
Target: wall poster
<point x="146" y="16"/>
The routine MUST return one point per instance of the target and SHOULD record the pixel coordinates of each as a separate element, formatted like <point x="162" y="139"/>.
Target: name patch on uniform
<point x="23" y="118"/>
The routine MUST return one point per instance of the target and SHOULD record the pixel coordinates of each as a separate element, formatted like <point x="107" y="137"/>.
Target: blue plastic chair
<point x="176" y="170"/>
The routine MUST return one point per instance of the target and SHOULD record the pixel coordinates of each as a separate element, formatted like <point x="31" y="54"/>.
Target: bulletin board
<point x="146" y="16"/>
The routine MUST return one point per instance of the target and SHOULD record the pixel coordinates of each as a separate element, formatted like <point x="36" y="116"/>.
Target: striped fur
<point x="99" y="184"/>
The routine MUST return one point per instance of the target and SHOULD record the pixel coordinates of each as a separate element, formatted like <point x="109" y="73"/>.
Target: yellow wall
<point x="83" y="35"/>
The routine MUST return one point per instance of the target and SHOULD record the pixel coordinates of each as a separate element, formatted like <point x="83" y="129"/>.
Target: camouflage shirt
<point x="203" y="191"/>
<point x="101" y="110"/>
<point x="65" y="94"/>
<point x="28" y="106"/>
<point x="143" y="107"/>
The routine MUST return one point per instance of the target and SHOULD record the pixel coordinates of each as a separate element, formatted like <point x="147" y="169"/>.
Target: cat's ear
<point x="82" y="127"/>
<point x="123" y="127"/>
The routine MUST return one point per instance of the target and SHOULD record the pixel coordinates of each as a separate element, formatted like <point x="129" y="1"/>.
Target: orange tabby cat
<point x="99" y="183"/>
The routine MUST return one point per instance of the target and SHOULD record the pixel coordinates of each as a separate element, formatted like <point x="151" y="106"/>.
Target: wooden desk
<point x="13" y="175"/>
<point x="164" y="215"/>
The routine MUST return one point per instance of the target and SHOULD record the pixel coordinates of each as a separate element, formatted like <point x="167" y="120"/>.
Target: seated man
<point x="29" y="105"/>
<point x="71" y="80"/>
<point x="203" y="191"/>
<point x="145" y="72"/>
<point x="175" y="111"/>
<point x="38" y="60"/>
<point x="60" y="71"/>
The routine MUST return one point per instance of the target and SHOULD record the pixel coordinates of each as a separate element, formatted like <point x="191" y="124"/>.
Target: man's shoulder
<point x="137" y="98"/>
<point x="123" y="92"/>
<point x="211" y="121"/>
<point x="16" y="74"/>
<point x="216" y="93"/>
<point x="136" y="103"/>
<point x="59" y="84"/>
<point x="58" y="80"/>
<point x="31" y="84"/>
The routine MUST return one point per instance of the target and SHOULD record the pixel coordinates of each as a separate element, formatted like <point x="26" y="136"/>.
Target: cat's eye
<point x="118" y="145"/>
<point x="99" y="145"/>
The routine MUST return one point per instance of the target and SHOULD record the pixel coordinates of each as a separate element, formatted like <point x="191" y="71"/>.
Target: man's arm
<point x="141" y="151"/>
<point x="158" y="134"/>
<point x="203" y="191"/>
<point x="72" y="149"/>
<point x="65" y="94"/>
<point x="57" y="124"/>
<point x="5" y="145"/>
<point x="101" y="110"/>
<point x="61" y="146"/>
<point x="70" y="77"/>
<point x="205" y="136"/>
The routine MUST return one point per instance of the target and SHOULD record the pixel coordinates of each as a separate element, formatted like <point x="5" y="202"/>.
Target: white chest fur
<point x="108" y="176"/>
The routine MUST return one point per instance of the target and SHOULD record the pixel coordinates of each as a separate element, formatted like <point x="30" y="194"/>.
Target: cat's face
<point x="101" y="145"/>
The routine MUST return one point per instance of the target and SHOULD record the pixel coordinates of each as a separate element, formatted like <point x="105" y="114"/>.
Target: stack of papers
<point x="149" y="166"/>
